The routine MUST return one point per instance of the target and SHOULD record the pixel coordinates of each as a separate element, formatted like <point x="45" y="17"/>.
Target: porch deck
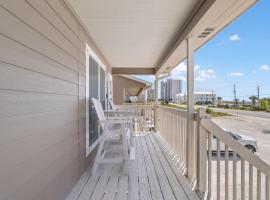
<point x="153" y="175"/>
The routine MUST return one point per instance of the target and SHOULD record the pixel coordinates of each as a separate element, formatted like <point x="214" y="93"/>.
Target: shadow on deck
<point x="153" y="175"/>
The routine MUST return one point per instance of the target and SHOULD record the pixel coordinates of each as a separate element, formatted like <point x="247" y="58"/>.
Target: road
<point x="243" y="112"/>
<point x="255" y="125"/>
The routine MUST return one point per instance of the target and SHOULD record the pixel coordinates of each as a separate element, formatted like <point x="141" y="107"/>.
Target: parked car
<point x="248" y="142"/>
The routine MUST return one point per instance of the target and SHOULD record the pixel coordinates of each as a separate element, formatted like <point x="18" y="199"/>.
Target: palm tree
<point x="253" y="100"/>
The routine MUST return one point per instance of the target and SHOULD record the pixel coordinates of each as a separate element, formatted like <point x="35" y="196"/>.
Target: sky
<point x="239" y="54"/>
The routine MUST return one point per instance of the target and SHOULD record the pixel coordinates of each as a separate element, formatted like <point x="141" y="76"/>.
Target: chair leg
<point x="98" y="155"/>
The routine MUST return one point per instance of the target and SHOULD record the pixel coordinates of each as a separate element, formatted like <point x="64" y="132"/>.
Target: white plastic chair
<point x="113" y="129"/>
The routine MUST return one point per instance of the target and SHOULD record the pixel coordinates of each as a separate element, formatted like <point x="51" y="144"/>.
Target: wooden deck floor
<point x="153" y="175"/>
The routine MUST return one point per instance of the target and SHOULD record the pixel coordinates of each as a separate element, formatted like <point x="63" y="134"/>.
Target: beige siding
<point x="42" y="99"/>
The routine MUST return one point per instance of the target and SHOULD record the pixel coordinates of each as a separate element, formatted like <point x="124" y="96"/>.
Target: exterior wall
<point x="119" y="85"/>
<point x="42" y="100"/>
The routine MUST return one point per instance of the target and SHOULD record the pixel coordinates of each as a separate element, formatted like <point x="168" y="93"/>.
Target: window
<point x="95" y="88"/>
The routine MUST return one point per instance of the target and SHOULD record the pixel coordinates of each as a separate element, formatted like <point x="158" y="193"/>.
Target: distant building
<point x="202" y="97"/>
<point x="163" y="95"/>
<point x="169" y="88"/>
<point x="150" y="94"/>
<point x="219" y="100"/>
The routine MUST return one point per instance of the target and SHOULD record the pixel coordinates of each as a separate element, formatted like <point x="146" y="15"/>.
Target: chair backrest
<point x="99" y="109"/>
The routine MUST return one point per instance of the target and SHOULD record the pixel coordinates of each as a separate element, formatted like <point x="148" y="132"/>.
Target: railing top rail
<point x="176" y="111"/>
<point x="253" y="159"/>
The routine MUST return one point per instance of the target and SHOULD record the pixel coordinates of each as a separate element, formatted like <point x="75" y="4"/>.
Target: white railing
<point x="172" y="128"/>
<point x="233" y="174"/>
<point x="236" y="173"/>
<point x="143" y="116"/>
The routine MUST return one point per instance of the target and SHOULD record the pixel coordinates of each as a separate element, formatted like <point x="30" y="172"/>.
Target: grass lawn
<point x="208" y="110"/>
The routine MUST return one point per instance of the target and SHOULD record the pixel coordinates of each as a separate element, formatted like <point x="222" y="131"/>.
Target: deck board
<point x="143" y="178"/>
<point x="176" y="186"/>
<point x="153" y="181"/>
<point x="184" y="182"/>
<point x="152" y="175"/>
<point x="163" y="180"/>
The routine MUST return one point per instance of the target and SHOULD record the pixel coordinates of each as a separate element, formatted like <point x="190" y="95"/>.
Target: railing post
<point x="190" y="139"/>
<point x="156" y="106"/>
<point x="201" y="165"/>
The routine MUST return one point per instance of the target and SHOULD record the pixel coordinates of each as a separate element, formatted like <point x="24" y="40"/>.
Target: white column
<point x="190" y="109"/>
<point x="156" y="103"/>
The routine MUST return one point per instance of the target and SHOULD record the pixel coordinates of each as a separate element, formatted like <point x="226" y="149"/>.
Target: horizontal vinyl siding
<point x="42" y="99"/>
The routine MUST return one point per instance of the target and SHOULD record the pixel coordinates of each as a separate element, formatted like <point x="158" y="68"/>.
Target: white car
<point x="248" y="142"/>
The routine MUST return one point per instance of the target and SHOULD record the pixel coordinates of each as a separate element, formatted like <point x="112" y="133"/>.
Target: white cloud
<point x="203" y="75"/>
<point x="234" y="37"/>
<point x="254" y="71"/>
<point x="181" y="68"/>
<point x="264" y="68"/>
<point x="182" y="78"/>
<point x="197" y="67"/>
<point x="236" y="74"/>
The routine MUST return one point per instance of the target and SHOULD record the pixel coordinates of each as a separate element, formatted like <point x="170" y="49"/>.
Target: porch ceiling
<point x="150" y="34"/>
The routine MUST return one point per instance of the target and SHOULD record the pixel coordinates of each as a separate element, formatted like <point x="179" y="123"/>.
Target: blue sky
<point x="240" y="55"/>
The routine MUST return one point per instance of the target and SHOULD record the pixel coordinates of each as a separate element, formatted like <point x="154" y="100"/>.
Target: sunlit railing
<point x="233" y="174"/>
<point x="172" y="128"/>
<point x="236" y="173"/>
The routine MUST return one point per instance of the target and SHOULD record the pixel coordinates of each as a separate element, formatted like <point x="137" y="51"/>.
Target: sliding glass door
<point x="95" y="88"/>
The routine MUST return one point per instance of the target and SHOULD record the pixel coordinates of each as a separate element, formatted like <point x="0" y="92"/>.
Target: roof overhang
<point x="148" y="37"/>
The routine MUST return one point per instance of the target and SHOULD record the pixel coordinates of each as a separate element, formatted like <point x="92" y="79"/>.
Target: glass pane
<point x="102" y="88"/>
<point x="93" y="93"/>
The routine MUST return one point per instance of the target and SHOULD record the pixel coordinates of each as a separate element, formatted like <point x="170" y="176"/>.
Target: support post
<point x="201" y="161"/>
<point x="156" y="105"/>
<point x="190" y="157"/>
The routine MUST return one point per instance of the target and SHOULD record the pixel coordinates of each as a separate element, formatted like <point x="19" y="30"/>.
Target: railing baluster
<point x="218" y="169"/>
<point x="226" y="173"/>
<point x="258" y="184"/>
<point x="234" y="176"/>
<point x="174" y="133"/>
<point x="243" y="169"/>
<point x="266" y="188"/>
<point x="178" y="136"/>
<point x="250" y="179"/>
<point x="209" y="185"/>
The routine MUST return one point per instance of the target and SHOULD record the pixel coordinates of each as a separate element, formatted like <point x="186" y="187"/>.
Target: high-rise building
<point x="150" y="94"/>
<point x="163" y="95"/>
<point x="170" y="88"/>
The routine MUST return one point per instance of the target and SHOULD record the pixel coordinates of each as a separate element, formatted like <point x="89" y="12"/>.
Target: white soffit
<point x="133" y="33"/>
